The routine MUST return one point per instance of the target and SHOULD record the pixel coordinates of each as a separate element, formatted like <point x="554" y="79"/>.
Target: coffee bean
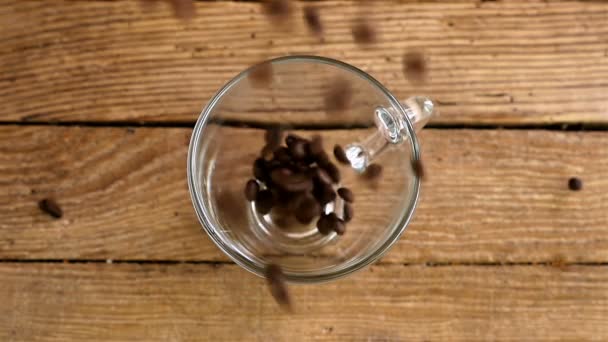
<point x="575" y="184"/>
<point x="373" y="171"/>
<point x="341" y="155"/>
<point x="333" y="172"/>
<point x="348" y="212"/>
<point x="282" y="155"/>
<point x="339" y="95"/>
<point x="291" y="138"/>
<point x="327" y="223"/>
<point x="278" y="10"/>
<point x="324" y="193"/>
<point x="264" y="202"/>
<point x="316" y="145"/>
<point x="346" y="194"/>
<point x="418" y="168"/>
<point x="49" y="206"/>
<point x="340" y="227"/>
<point x="322" y="159"/>
<point x="273" y="136"/>
<point x="267" y="152"/>
<point x="364" y="33"/>
<point x="251" y="190"/>
<point x="299" y="149"/>
<point x="414" y="66"/>
<point x="321" y="176"/>
<point x="290" y="181"/>
<point x="307" y="210"/>
<point x="259" y="169"/>
<point x="278" y="286"/>
<point x="313" y="20"/>
<point x="261" y="75"/>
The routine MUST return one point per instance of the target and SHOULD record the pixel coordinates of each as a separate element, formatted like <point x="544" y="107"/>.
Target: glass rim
<point x="203" y="212"/>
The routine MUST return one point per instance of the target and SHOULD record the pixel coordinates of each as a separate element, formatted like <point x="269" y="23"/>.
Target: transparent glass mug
<point x="374" y="128"/>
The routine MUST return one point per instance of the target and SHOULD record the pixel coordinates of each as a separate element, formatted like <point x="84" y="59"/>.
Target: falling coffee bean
<point x="322" y="159"/>
<point x="364" y="33"/>
<point x="575" y="184"/>
<point x="290" y="181"/>
<point x="341" y="155"/>
<point x="340" y="227"/>
<point x="327" y="223"/>
<point x="251" y="190"/>
<point x="316" y="145"/>
<point x="273" y="136"/>
<point x="282" y="155"/>
<point x="307" y="210"/>
<point x="339" y="95"/>
<point x="373" y="171"/>
<point x="321" y="176"/>
<point x="261" y="74"/>
<point x="264" y="202"/>
<point x="414" y="67"/>
<point x="333" y="172"/>
<point x="278" y="286"/>
<point x="418" y="168"/>
<point x="259" y="169"/>
<point x="278" y="10"/>
<point x="346" y="194"/>
<point x="299" y="149"/>
<point x="348" y="212"/>
<point x="49" y="206"/>
<point x="324" y="193"/>
<point x="313" y="20"/>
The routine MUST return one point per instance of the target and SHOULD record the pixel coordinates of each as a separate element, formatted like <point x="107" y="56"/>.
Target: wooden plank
<point x="491" y="195"/>
<point x="93" y="302"/>
<point x="501" y="62"/>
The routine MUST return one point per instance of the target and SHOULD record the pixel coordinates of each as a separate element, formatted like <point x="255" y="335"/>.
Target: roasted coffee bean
<point x="313" y="20"/>
<point x="363" y="32"/>
<point x="251" y="190"/>
<point x="322" y="159"/>
<point x="341" y="155"/>
<point x="259" y="169"/>
<point x="333" y="172"/>
<point x="373" y="171"/>
<point x="261" y="75"/>
<point x="340" y="227"/>
<point x="414" y="66"/>
<point x="273" y="136"/>
<point x="290" y="181"/>
<point x="327" y="223"/>
<point x="321" y="176"/>
<point x="267" y="152"/>
<point x="348" y="212"/>
<point x="316" y="145"/>
<point x="278" y="286"/>
<point x="575" y="184"/>
<point x="282" y="155"/>
<point x="291" y="138"/>
<point x="264" y="202"/>
<point x="278" y="10"/>
<point x="339" y="95"/>
<point x="49" y="206"/>
<point x="299" y="149"/>
<point x="418" y="168"/>
<point x="324" y="193"/>
<point x="307" y="210"/>
<point x="346" y="194"/>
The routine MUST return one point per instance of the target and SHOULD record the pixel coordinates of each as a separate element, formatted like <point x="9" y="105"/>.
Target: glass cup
<point x="307" y="96"/>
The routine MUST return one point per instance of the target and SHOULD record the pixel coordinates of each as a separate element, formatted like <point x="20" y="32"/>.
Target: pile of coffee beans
<point x="299" y="180"/>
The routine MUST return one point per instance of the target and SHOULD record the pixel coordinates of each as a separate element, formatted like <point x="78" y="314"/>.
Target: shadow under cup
<point x="229" y="136"/>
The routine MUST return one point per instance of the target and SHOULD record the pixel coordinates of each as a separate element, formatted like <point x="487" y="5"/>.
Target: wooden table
<point x="97" y="101"/>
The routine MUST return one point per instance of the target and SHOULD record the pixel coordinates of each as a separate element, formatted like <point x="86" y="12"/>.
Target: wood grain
<point x="494" y="62"/>
<point x="491" y="195"/>
<point x="94" y="302"/>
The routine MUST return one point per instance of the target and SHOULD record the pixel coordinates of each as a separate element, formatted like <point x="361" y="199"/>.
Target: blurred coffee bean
<point x="348" y="212"/>
<point x="299" y="149"/>
<point x="273" y="136"/>
<point x="290" y="181"/>
<point x="363" y="32"/>
<point x="50" y="206"/>
<point x="278" y="286"/>
<point x="327" y="223"/>
<point x="313" y="19"/>
<point x="322" y="159"/>
<point x="414" y="67"/>
<point x="333" y="172"/>
<point x="418" y="168"/>
<point x="341" y="155"/>
<point x="264" y="202"/>
<point x="279" y="11"/>
<point x="307" y="210"/>
<point x="282" y="154"/>
<point x="251" y="190"/>
<point x="338" y="96"/>
<point x="321" y="176"/>
<point x="316" y="145"/>
<point x="259" y="169"/>
<point x="575" y="184"/>
<point x="261" y="75"/>
<point x="346" y="194"/>
<point x="324" y="193"/>
<point x="339" y="227"/>
<point x="373" y="171"/>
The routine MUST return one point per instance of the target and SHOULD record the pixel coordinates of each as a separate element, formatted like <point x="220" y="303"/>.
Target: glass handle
<point x="391" y="130"/>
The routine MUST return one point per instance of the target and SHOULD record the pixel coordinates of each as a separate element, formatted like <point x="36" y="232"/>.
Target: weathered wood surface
<point x="94" y="302"/>
<point x="494" y="62"/>
<point x="491" y="195"/>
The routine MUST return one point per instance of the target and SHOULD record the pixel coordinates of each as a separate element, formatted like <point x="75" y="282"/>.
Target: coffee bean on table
<point x="363" y="32"/>
<point x="313" y="20"/>
<point x="251" y="190"/>
<point x="341" y="155"/>
<point x="414" y="66"/>
<point x="373" y="171"/>
<point x="575" y="184"/>
<point x="348" y="212"/>
<point x="340" y="227"/>
<point x="327" y="223"/>
<point x="264" y="202"/>
<point x="346" y="194"/>
<point x="278" y="10"/>
<point x="49" y="206"/>
<point x="278" y="286"/>
<point x="333" y="172"/>
<point x="307" y="210"/>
